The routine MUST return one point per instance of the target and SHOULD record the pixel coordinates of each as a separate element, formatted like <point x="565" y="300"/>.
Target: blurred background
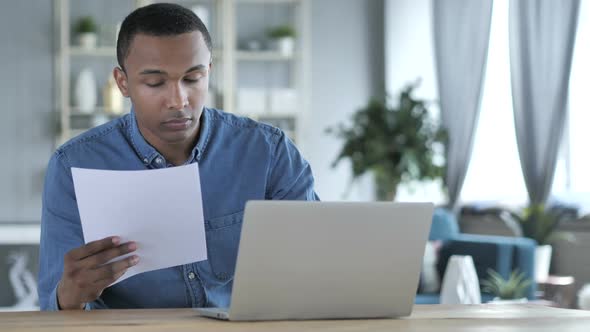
<point x="478" y="106"/>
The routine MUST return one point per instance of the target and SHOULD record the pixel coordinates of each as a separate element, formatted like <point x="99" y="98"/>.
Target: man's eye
<point x="192" y="80"/>
<point x="155" y="85"/>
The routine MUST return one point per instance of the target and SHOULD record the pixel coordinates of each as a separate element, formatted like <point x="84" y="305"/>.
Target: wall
<point x="347" y="69"/>
<point x="26" y="95"/>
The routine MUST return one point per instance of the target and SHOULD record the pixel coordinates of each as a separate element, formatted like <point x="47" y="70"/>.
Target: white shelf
<point x="98" y="51"/>
<point x="227" y="60"/>
<point x="108" y="51"/>
<point x="263" y="56"/>
<point x="20" y="234"/>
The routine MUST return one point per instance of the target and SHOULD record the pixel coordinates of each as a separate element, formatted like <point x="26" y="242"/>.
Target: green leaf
<point x="512" y="288"/>
<point x="396" y="142"/>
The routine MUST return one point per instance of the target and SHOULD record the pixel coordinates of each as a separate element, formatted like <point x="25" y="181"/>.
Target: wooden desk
<point x="439" y="318"/>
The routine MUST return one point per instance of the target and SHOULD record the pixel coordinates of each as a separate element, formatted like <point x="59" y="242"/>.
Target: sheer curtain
<point x="542" y="36"/>
<point x="461" y="38"/>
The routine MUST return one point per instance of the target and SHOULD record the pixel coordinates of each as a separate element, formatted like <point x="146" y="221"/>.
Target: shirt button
<point x="145" y="160"/>
<point x="159" y="160"/>
<point x="191" y="275"/>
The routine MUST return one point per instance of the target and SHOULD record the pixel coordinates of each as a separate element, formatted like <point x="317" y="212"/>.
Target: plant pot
<point x="87" y="40"/>
<point x="285" y="46"/>
<point x="542" y="262"/>
<point x="498" y="300"/>
<point x="584" y="297"/>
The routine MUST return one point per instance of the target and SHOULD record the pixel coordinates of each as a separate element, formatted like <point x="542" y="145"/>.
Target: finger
<point x="98" y="259"/>
<point x="94" y="247"/>
<point x="104" y="283"/>
<point x="112" y="271"/>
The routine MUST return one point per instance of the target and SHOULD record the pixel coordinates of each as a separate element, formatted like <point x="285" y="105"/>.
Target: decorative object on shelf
<point x="397" y="144"/>
<point x="18" y="271"/>
<point x="512" y="289"/>
<point x="584" y="297"/>
<point x="282" y="100"/>
<point x="460" y="284"/>
<point x="283" y="38"/>
<point x="112" y="98"/>
<point x="85" y="91"/>
<point x="86" y="30"/>
<point x="251" y="101"/>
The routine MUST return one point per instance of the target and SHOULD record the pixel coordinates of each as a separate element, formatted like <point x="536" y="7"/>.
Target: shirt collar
<point x="148" y="153"/>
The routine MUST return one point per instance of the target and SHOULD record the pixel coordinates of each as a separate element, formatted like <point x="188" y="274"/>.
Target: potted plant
<point x="541" y="224"/>
<point x="397" y="144"/>
<point x="86" y="29"/>
<point x="283" y="37"/>
<point x="513" y="288"/>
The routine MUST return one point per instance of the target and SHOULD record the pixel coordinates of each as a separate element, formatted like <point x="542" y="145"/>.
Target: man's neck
<point x="174" y="153"/>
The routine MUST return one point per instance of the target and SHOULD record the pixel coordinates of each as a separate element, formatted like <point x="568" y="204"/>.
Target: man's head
<point x="158" y="20"/>
<point x="164" y="54"/>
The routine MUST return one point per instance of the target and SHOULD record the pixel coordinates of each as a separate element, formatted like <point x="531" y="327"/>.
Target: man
<point x="164" y="56"/>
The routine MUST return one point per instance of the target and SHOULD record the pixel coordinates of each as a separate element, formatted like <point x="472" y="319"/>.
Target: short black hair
<point x="159" y="19"/>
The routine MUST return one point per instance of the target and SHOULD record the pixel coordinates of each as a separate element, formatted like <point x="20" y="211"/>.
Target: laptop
<point x="301" y="260"/>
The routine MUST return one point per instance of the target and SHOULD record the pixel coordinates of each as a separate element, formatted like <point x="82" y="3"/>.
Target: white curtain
<point x="542" y="34"/>
<point x="461" y="36"/>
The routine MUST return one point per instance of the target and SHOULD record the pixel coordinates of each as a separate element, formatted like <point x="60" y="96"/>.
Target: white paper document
<point x="161" y="210"/>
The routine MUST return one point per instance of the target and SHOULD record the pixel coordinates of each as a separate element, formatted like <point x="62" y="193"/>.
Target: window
<point x="572" y="176"/>
<point x="494" y="173"/>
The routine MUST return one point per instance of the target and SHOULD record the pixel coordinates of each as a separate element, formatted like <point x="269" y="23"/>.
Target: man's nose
<point x="177" y="97"/>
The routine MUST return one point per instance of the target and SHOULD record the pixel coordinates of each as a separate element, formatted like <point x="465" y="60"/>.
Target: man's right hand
<point x="86" y="273"/>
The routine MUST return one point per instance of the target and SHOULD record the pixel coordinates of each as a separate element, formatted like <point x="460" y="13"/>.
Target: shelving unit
<point x="232" y="22"/>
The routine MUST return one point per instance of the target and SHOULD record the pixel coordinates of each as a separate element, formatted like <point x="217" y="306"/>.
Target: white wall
<point x="409" y="48"/>
<point x="347" y="69"/>
<point x="26" y="95"/>
<point x="409" y="55"/>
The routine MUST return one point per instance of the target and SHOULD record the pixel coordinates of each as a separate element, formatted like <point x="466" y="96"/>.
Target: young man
<point x="164" y="54"/>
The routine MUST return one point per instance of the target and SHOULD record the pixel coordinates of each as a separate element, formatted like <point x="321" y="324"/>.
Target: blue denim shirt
<point x="239" y="160"/>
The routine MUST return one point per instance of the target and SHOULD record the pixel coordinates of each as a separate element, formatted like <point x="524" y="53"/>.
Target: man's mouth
<point x="177" y="123"/>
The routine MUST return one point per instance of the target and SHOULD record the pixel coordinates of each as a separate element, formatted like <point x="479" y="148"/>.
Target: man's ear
<point x="121" y="79"/>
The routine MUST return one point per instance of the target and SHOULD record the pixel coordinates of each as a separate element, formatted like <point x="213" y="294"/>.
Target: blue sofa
<point x="502" y="254"/>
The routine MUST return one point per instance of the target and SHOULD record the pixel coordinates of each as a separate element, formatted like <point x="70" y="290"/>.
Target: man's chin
<point x="177" y="137"/>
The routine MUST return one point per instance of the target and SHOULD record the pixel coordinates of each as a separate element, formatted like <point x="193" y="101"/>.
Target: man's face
<point x="167" y="79"/>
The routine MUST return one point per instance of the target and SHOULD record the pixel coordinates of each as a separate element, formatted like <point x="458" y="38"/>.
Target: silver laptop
<point x="327" y="260"/>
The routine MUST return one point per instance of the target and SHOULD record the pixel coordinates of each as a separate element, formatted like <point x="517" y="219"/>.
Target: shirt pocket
<point x="223" y="237"/>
